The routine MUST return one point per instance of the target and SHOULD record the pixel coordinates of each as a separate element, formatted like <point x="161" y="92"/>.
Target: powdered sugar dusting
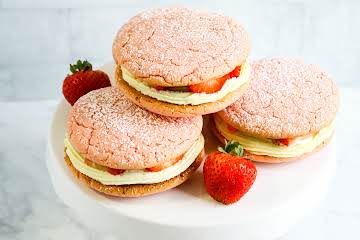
<point x="180" y="46"/>
<point x="286" y="98"/>
<point x="105" y="127"/>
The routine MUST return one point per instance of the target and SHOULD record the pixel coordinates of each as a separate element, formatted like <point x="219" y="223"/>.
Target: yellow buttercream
<point x="188" y="98"/>
<point x="262" y="146"/>
<point x="134" y="176"/>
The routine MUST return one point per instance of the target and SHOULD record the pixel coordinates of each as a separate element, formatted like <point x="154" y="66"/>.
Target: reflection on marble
<point x="29" y="208"/>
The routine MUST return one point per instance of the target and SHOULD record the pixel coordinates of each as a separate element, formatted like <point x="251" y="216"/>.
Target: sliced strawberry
<point x="159" y="88"/>
<point x="114" y="171"/>
<point x="214" y="85"/>
<point x="231" y="129"/>
<point x="282" y="142"/>
<point x="235" y="72"/>
<point x="210" y="86"/>
<point x="158" y="168"/>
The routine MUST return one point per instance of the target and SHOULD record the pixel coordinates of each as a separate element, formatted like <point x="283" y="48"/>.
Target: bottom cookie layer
<point x="264" y="158"/>
<point x="136" y="190"/>
<point x="173" y="110"/>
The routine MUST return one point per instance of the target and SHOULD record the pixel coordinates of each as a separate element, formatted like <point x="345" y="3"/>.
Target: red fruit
<point x="210" y="86"/>
<point x="283" y="142"/>
<point x="159" y="88"/>
<point x="114" y="171"/>
<point x="165" y="165"/>
<point x="235" y="72"/>
<point x="231" y="129"/>
<point x="214" y="85"/>
<point x="227" y="176"/>
<point x="83" y="80"/>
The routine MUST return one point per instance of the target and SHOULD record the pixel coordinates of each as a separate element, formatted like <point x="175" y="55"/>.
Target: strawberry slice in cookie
<point x="283" y="141"/>
<point x="82" y="80"/>
<point x="164" y="165"/>
<point x="210" y="86"/>
<point x="214" y="85"/>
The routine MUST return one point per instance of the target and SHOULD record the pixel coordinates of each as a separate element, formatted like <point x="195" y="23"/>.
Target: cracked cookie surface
<point x="107" y="128"/>
<point x="286" y="98"/>
<point x="180" y="46"/>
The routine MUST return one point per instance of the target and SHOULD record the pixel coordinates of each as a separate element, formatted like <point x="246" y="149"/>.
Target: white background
<point x="39" y="38"/>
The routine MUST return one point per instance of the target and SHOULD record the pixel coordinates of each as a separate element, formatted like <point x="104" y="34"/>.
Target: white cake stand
<point x="281" y="195"/>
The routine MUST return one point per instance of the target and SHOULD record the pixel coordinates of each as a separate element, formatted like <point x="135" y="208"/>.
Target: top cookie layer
<point x="286" y="98"/>
<point x="180" y="46"/>
<point x="105" y="127"/>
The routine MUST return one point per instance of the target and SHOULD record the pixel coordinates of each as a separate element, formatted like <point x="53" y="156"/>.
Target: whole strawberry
<point x="83" y="80"/>
<point x="227" y="175"/>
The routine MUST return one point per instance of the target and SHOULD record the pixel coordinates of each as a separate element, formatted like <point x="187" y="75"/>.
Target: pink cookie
<point x="108" y="129"/>
<point x="179" y="46"/>
<point x="180" y="50"/>
<point x="286" y="99"/>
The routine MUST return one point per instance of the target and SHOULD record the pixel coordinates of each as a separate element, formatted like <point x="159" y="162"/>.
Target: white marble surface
<point x="29" y="208"/>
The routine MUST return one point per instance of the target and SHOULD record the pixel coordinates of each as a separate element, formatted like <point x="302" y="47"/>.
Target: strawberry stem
<point x="80" y="66"/>
<point x="232" y="147"/>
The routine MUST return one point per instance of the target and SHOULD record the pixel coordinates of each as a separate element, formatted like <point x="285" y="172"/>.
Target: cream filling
<point x="188" y="98"/>
<point x="134" y="176"/>
<point x="263" y="146"/>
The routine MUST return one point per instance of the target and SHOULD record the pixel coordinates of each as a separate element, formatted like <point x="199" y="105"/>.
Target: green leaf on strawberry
<point x="80" y="66"/>
<point x="232" y="147"/>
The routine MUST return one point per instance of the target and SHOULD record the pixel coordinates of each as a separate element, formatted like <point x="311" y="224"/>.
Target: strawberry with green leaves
<point x="83" y="79"/>
<point x="227" y="175"/>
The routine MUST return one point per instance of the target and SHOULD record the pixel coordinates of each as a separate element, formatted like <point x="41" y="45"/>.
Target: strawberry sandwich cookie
<point x="117" y="148"/>
<point x="180" y="62"/>
<point x="287" y="113"/>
